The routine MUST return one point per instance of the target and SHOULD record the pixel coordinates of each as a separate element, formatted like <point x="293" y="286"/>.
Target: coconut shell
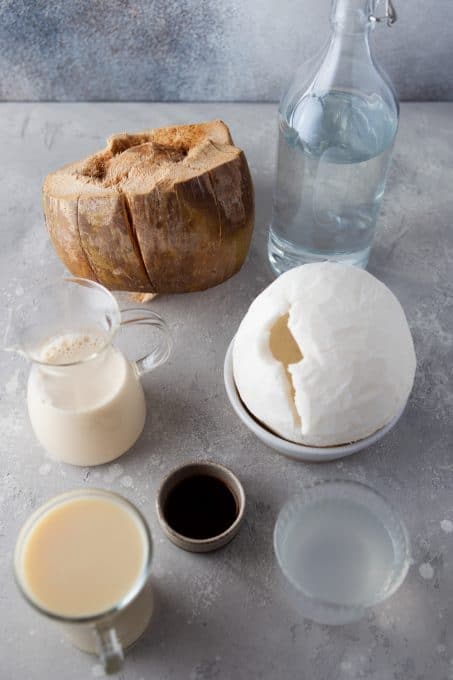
<point x="169" y="210"/>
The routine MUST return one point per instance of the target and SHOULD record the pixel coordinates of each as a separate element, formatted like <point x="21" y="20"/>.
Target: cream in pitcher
<point x="91" y="410"/>
<point x="85" y="399"/>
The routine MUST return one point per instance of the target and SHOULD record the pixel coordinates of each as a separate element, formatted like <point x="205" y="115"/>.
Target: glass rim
<point x="40" y="512"/>
<point x="399" y="573"/>
<point x="87" y="283"/>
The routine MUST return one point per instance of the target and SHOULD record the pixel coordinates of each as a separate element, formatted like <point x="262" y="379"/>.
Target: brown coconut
<point x="168" y="210"/>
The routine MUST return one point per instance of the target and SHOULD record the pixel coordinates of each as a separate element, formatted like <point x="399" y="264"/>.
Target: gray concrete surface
<point x="225" y="615"/>
<point x="214" y="50"/>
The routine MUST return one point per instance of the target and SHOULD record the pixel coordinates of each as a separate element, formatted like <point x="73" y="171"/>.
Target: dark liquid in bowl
<point x="200" y="507"/>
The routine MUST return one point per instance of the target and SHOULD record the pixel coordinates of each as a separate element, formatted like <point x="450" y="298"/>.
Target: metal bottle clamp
<point x="390" y="15"/>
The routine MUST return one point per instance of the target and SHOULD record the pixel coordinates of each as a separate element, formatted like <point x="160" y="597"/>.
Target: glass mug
<point x="44" y="550"/>
<point x="85" y="400"/>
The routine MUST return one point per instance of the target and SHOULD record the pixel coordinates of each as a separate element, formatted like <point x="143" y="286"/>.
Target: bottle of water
<point x="337" y="126"/>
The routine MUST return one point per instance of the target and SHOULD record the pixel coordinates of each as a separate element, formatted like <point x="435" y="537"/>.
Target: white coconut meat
<point x="324" y="355"/>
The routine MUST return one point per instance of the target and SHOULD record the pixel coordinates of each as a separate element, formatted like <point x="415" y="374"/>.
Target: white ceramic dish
<point x="285" y="447"/>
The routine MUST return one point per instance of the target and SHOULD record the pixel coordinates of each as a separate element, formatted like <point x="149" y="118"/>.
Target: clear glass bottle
<point x="337" y="125"/>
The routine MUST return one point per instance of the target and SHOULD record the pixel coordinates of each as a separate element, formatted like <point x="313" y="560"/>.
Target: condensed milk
<point x="83" y="559"/>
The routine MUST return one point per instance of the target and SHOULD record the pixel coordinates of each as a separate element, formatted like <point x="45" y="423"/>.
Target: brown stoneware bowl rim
<point x="207" y="467"/>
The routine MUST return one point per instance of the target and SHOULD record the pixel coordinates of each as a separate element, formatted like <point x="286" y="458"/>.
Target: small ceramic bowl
<point x="285" y="447"/>
<point x="192" y="470"/>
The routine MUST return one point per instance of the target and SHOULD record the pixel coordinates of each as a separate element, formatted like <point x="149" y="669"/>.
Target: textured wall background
<point x="200" y="49"/>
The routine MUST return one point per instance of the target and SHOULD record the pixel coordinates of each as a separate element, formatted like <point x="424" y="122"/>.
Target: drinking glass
<point x="341" y="548"/>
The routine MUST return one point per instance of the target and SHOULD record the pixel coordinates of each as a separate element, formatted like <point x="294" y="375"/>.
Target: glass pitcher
<point x="337" y="125"/>
<point x="85" y="400"/>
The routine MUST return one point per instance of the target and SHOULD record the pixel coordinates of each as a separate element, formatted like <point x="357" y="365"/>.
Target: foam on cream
<point x="71" y="348"/>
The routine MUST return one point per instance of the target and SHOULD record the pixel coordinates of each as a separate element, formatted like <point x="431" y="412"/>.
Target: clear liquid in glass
<point x="338" y="551"/>
<point x="333" y="156"/>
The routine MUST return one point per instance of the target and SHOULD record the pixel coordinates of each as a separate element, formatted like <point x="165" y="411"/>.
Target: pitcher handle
<point x="110" y="651"/>
<point x="161" y="350"/>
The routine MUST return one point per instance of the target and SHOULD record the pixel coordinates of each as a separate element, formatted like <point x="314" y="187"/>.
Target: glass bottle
<point x="337" y="125"/>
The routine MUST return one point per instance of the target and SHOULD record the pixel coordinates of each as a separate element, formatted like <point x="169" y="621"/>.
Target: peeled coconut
<point x="167" y="210"/>
<point x="324" y="355"/>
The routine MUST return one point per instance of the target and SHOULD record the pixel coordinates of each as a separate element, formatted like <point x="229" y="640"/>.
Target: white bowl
<point x="292" y="449"/>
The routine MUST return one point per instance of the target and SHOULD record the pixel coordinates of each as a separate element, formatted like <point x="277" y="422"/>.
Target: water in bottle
<point x="333" y="155"/>
<point x="337" y="124"/>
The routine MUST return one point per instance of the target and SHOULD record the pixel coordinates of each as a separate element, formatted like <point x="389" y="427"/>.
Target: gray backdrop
<point x="229" y="50"/>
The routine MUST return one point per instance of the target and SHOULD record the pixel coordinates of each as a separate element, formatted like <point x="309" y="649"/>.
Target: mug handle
<point x="110" y="651"/>
<point x="161" y="350"/>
